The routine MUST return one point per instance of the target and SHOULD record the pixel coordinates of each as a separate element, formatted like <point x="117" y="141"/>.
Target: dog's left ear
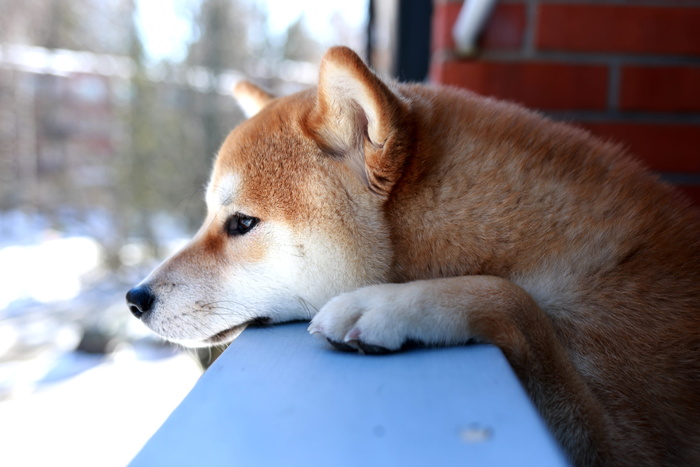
<point x="250" y="97"/>
<point x="357" y="117"/>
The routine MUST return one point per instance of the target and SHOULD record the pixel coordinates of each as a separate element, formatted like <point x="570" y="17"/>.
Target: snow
<point x="63" y="262"/>
<point x="102" y="416"/>
<point x="59" y="405"/>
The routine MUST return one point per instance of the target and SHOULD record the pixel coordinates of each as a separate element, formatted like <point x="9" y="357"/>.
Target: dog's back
<point x="608" y="252"/>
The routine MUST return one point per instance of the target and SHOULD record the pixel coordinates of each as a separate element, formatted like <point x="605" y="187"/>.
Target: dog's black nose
<point x="140" y="300"/>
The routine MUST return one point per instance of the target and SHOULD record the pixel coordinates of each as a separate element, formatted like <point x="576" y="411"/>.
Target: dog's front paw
<point x="372" y="320"/>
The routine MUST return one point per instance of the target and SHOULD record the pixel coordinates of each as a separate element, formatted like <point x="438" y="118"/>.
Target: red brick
<point x="663" y="89"/>
<point x="619" y="28"/>
<point x="540" y="85"/>
<point x="504" y="30"/>
<point x="662" y="147"/>
<point x="444" y="18"/>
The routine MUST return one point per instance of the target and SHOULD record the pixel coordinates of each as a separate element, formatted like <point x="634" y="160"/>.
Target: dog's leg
<point x="485" y="308"/>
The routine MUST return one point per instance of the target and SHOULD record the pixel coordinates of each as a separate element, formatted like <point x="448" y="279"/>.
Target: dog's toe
<point x="355" y="345"/>
<point x="345" y="347"/>
<point x="370" y="349"/>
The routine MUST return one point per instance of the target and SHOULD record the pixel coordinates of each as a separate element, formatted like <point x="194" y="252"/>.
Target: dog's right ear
<point x="250" y="97"/>
<point x="357" y="117"/>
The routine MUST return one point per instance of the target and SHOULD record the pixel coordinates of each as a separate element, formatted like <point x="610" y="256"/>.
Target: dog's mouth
<point x="229" y="335"/>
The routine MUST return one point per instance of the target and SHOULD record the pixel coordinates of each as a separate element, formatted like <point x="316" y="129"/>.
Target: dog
<point x="392" y="213"/>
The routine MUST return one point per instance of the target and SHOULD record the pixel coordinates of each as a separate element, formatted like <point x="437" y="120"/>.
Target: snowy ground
<point x="100" y="417"/>
<point x="82" y="383"/>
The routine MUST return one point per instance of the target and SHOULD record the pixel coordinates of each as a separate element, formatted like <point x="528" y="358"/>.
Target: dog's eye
<point x="240" y="224"/>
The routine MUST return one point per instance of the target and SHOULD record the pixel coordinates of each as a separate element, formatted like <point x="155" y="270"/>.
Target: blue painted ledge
<point x="280" y="397"/>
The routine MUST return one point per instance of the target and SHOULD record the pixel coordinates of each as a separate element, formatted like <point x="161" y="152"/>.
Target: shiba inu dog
<point x="388" y="213"/>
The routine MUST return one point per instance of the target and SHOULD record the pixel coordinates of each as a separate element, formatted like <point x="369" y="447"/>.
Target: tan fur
<point x="409" y="212"/>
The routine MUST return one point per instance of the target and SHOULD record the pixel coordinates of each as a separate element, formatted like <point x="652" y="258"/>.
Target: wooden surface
<point x="280" y="397"/>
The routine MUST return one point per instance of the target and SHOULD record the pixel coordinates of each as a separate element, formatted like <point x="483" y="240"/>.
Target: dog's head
<point x="295" y="210"/>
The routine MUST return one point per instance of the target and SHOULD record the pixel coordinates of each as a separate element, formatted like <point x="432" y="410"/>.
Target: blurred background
<point x="111" y="112"/>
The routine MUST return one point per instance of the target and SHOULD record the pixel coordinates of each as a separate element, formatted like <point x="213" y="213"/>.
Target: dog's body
<point x="438" y="216"/>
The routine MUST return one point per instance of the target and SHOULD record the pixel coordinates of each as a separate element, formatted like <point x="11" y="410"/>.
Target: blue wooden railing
<point x="280" y="397"/>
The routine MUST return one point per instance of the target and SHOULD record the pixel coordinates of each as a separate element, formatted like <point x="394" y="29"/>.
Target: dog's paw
<point x="373" y="320"/>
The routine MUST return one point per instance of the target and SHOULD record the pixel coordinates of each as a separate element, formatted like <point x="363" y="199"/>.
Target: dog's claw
<point x="353" y="335"/>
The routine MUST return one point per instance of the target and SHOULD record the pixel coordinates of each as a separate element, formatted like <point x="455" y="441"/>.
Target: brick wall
<point x="628" y="70"/>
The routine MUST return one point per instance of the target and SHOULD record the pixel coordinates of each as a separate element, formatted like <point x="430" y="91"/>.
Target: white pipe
<point x="470" y="22"/>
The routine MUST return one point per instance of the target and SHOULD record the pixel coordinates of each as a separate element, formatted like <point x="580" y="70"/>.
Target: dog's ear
<point x="250" y="97"/>
<point x="357" y="117"/>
